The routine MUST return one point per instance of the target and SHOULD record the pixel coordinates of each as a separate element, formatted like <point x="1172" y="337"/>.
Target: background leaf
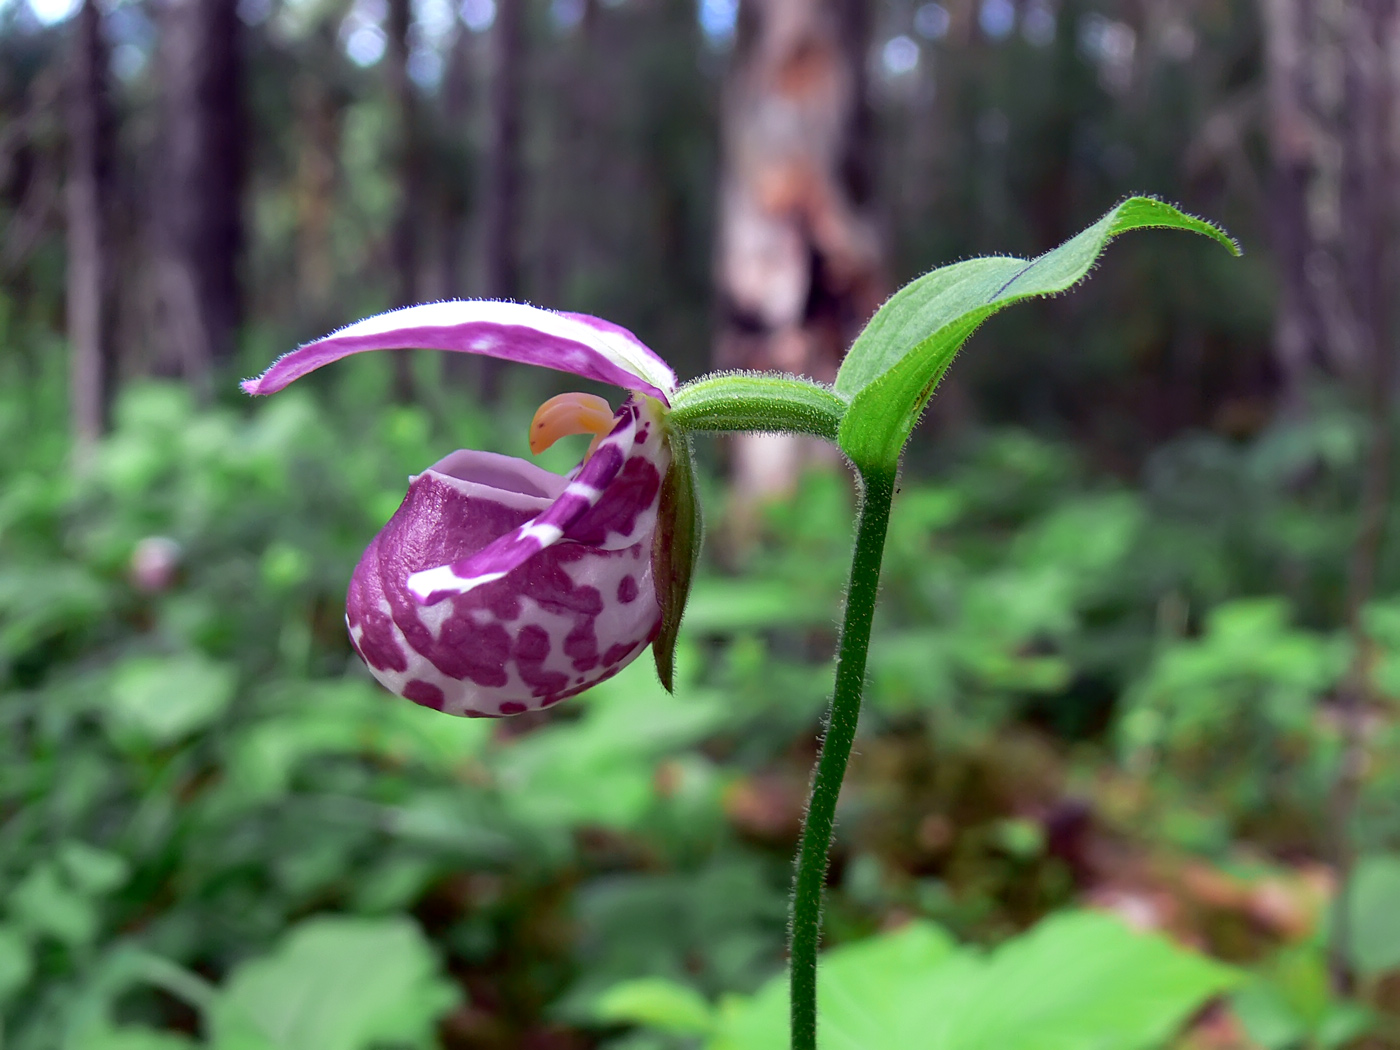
<point x="335" y="984"/>
<point x="1375" y="914"/>
<point x="157" y="700"/>
<point x="1078" y="981"/>
<point x="657" y="1003"/>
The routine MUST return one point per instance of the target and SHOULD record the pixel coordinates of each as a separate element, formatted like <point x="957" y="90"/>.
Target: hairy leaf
<point x="895" y="363"/>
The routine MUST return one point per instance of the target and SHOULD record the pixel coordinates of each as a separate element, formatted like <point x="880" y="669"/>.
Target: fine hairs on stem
<point x="873" y="522"/>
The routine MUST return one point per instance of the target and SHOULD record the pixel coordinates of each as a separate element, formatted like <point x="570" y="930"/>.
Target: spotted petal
<point x="627" y="467"/>
<point x="586" y="346"/>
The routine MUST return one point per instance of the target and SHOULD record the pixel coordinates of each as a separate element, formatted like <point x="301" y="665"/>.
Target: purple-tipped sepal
<point x="537" y="586"/>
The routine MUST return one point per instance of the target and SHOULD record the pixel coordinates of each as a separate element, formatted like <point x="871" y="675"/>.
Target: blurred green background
<point x="1132" y="715"/>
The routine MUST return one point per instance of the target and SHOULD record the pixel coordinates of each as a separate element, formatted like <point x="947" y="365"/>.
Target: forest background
<point x="1137" y="664"/>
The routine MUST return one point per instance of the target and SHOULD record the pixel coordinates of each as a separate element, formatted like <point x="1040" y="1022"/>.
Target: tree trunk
<point x="1334" y="94"/>
<point x="501" y="207"/>
<point x="456" y="195"/>
<point x="502" y="184"/>
<point x="799" y="267"/>
<point x="408" y="168"/>
<point x="91" y="274"/>
<point x="318" y="123"/>
<point x="199" y="207"/>
<point x="1332" y="89"/>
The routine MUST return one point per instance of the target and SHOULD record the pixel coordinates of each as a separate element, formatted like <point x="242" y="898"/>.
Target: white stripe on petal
<point x="442" y="580"/>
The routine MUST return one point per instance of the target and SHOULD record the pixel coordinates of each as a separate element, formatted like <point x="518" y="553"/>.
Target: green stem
<point x="836" y="749"/>
<point x="763" y="401"/>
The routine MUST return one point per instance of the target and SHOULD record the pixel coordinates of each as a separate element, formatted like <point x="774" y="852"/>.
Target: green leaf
<point x="93" y="870"/>
<point x="335" y="984"/>
<point x="728" y="605"/>
<point x="1267" y="1017"/>
<point x="599" y="769"/>
<point x="676" y="551"/>
<point x="1375" y="914"/>
<point x="45" y="904"/>
<point x="159" y="700"/>
<point x="1078" y="981"/>
<point x="16" y="961"/>
<point x="892" y="368"/>
<point x="1290" y="1003"/>
<point x="130" y="1037"/>
<point x="657" y="1003"/>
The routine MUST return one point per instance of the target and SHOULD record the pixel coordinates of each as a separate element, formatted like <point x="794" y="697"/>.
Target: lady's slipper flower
<point x="498" y="587"/>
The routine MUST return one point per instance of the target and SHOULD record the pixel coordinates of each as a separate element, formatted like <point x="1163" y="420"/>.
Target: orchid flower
<point x="499" y="587"/>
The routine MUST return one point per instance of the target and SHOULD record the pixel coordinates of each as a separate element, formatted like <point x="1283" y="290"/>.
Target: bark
<point x="456" y="112"/>
<point x="502" y="185"/>
<point x="1369" y="210"/>
<point x="91" y="271"/>
<point x="407" y="162"/>
<point x="502" y="188"/>
<point x="1333" y="75"/>
<point x="318" y="114"/>
<point x="800" y="265"/>
<point x="1334" y="95"/>
<point x="199" y="202"/>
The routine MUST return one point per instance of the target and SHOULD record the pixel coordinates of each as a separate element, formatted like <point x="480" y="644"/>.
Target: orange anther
<point x="567" y="414"/>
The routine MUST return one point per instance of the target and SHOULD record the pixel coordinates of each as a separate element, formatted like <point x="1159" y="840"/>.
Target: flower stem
<point x="757" y="401"/>
<point x="878" y="494"/>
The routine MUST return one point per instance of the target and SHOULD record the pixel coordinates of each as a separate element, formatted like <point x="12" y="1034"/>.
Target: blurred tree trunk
<point x="456" y="197"/>
<point x="1333" y="80"/>
<point x="501" y="207"/>
<point x="91" y="271"/>
<point x="578" y="139"/>
<point x="501" y="189"/>
<point x="799" y="266"/>
<point x="198" y="205"/>
<point x="407" y="163"/>
<point x="318" y="122"/>
<point x="1334" y="92"/>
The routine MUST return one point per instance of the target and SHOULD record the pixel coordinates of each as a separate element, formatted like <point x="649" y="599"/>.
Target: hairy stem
<point x="757" y="401"/>
<point x="836" y="749"/>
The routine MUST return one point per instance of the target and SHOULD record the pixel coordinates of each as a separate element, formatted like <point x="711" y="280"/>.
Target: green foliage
<point x="341" y="984"/>
<point x="1078" y="980"/>
<point x="196" y="768"/>
<point x="337" y="983"/>
<point x="1290" y="1003"/>
<point x="892" y="368"/>
<point x="1375" y="914"/>
<point x="157" y="700"/>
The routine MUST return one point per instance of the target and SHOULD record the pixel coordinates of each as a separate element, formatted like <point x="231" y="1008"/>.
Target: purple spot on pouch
<point x="425" y="693"/>
<point x="581" y="645"/>
<point x="532" y="644"/>
<point x="616" y="653"/>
